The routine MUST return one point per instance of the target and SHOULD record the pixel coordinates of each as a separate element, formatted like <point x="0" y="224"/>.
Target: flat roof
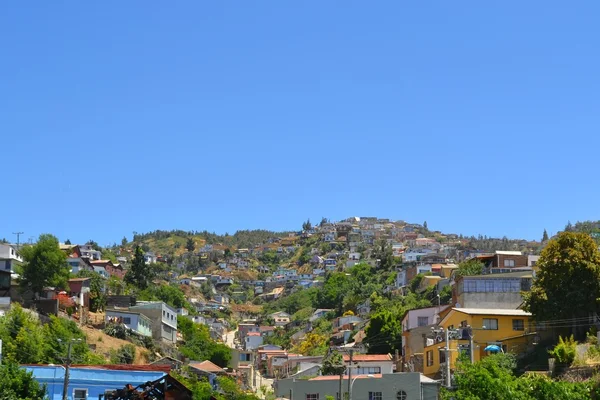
<point x="493" y="311"/>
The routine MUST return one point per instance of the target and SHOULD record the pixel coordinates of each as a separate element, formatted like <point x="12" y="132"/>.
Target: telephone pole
<point x="350" y="375"/>
<point x="448" y="378"/>
<point x="67" y="368"/>
<point x="18" y="239"/>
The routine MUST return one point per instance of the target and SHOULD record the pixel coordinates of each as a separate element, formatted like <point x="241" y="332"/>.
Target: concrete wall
<point x="490" y="300"/>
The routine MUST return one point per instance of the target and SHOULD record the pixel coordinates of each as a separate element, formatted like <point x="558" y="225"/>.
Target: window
<point x="442" y="355"/>
<point x="375" y="396"/>
<point x="164" y="313"/>
<point x="518" y="325"/>
<point x="430" y="358"/>
<point x="79" y="394"/>
<point x="312" y="396"/>
<point x="490" y="323"/>
<point x="126" y="320"/>
<point x="509" y="263"/>
<point x="422" y="321"/>
<point x="366" y="370"/>
<point x="401" y="395"/>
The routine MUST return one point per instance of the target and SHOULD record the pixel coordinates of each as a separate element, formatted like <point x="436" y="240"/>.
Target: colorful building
<point x="511" y="330"/>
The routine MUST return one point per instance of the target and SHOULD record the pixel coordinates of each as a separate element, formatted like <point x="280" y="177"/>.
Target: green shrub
<point x="564" y="352"/>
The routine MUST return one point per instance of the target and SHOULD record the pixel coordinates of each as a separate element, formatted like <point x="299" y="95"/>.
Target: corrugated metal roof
<point x="492" y="311"/>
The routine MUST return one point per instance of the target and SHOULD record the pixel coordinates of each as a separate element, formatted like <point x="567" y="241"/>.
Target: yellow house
<point x="511" y="330"/>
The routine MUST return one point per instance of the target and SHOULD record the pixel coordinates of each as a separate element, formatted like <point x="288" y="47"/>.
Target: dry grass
<point x="105" y="343"/>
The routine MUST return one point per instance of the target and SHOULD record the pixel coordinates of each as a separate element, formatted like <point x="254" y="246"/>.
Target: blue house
<point x="89" y="382"/>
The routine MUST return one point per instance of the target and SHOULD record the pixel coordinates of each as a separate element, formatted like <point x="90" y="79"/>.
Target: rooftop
<point x="206" y="366"/>
<point x="493" y="311"/>
<point x="369" y="357"/>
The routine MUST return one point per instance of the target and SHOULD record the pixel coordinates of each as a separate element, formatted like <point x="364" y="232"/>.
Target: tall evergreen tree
<point x="190" y="245"/>
<point x="545" y="236"/>
<point x="425" y="225"/>
<point x="139" y="273"/>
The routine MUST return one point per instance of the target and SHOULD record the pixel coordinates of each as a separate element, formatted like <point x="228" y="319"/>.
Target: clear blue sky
<point x="133" y="116"/>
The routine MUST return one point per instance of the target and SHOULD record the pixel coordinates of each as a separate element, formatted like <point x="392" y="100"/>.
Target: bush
<point x="564" y="352"/>
<point x="117" y="331"/>
<point x="124" y="355"/>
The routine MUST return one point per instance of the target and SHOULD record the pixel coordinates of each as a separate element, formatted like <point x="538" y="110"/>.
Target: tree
<point x="97" y="289"/>
<point x="323" y="221"/>
<point x="45" y="264"/>
<point x="22" y="338"/>
<point x="567" y="285"/>
<point x="336" y="286"/>
<point x="333" y="364"/>
<point x="67" y="241"/>
<point x="545" y="236"/>
<point x="384" y="253"/>
<point x="384" y="333"/>
<point x="139" y="273"/>
<point x="17" y="383"/>
<point x="425" y="225"/>
<point x="124" y="241"/>
<point x="307" y="226"/>
<point x="190" y="245"/>
<point x="469" y="268"/>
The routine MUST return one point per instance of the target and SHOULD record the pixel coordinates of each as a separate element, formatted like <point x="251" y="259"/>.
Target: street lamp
<point x="353" y="380"/>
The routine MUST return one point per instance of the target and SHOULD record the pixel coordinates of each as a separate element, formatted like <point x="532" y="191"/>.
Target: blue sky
<point x="134" y="116"/>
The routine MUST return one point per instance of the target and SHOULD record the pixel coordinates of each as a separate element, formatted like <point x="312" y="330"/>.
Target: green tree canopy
<point x="469" y="267"/>
<point x="17" y="383"/>
<point x="139" y="273"/>
<point x="384" y="333"/>
<point x="336" y="286"/>
<point x="568" y="281"/>
<point x="45" y="264"/>
<point x="333" y="364"/>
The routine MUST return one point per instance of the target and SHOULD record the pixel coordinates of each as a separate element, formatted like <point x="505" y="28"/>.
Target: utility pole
<point x="67" y="368"/>
<point x="448" y="379"/>
<point x="18" y="239"/>
<point x="471" y="345"/>
<point x="350" y="375"/>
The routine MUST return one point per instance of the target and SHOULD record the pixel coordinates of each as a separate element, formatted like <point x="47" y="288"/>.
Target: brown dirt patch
<point x="105" y="343"/>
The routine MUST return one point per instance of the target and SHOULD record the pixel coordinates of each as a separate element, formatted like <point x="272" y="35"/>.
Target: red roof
<point x="368" y="357"/>
<point x="336" y="377"/>
<point x="253" y="334"/>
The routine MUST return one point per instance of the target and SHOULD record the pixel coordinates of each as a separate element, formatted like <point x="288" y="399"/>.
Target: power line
<point x="18" y="239"/>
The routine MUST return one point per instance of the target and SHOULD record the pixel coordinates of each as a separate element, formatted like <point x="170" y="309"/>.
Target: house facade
<point x="9" y="258"/>
<point x="90" y="382"/>
<point x="163" y="317"/>
<point x="403" y="386"/>
<point x="512" y="330"/>
<point x="135" y="321"/>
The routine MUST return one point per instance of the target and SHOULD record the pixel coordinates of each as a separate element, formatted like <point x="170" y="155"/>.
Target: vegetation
<point x="26" y="341"/>
<point x="45" y="264"/>
<point x="568" y="282"/>
<point x="97" y="289"/>
<point x="469" y="268"/>
<point x="493" y="378"/>
<point x="384" y="333"/>
<point x="17" y="383"/>
<point x="139" y="272"/>
<point x="198" y="345"/>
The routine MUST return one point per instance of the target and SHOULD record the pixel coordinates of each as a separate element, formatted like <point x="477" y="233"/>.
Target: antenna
<point x="18" y="239"/>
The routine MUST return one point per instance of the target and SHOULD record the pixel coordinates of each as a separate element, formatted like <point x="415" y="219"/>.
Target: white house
<point x="320" y="312"/>
<point x="281" y="318"/>
<point x="9" y="257"/>
<point x="135" y="321"/>
<point x="253" y="340"/>
<point x="150" y="258"/>
<point x="415" y="254"/>
<point x="364" y="364"/>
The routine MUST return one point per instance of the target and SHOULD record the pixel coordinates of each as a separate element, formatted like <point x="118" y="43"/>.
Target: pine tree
<point x="190" y="245"/>
<point x="545" y="236"/>
<point x="139" y="273"/>
<point x="425" y="225"/>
